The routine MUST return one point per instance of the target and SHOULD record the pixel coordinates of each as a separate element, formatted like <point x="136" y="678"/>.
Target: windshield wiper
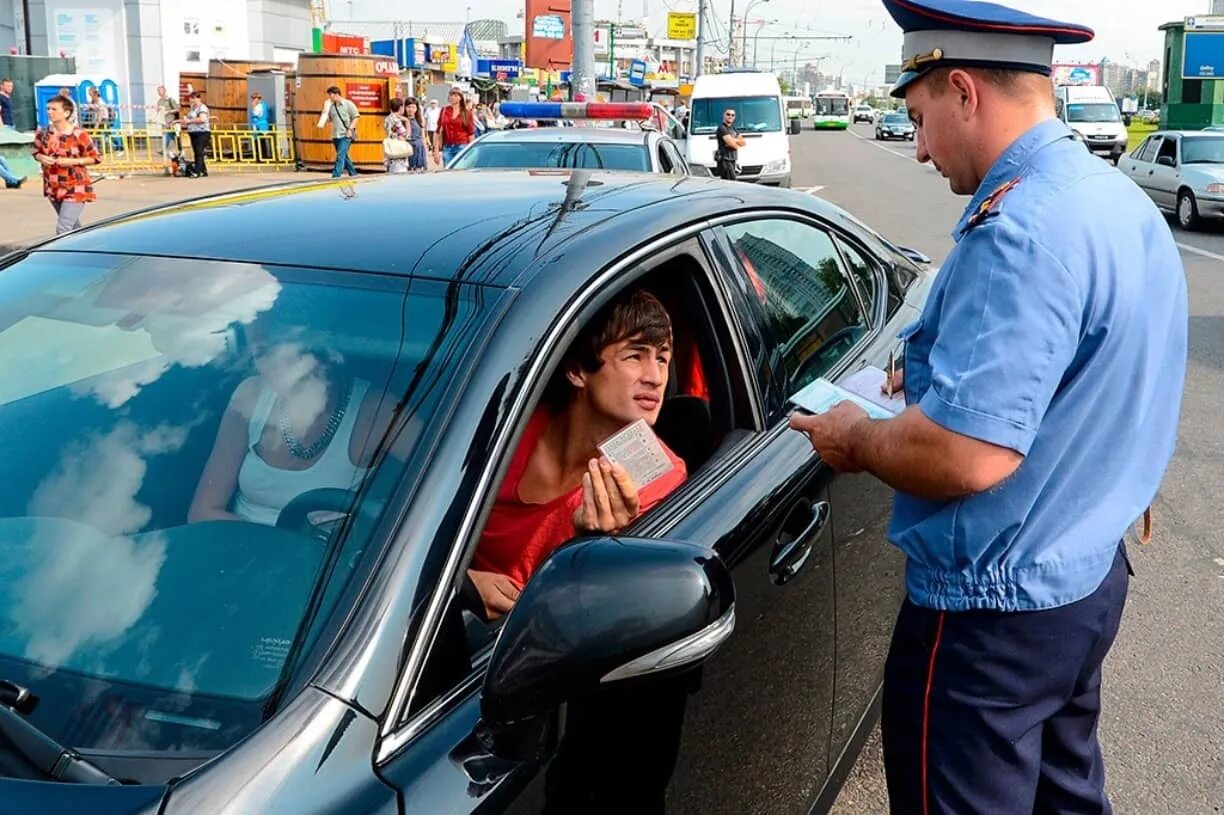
<point x="57" y="762"/>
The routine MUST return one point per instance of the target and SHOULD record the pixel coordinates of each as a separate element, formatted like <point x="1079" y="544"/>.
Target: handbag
<point x="396" y="149"/>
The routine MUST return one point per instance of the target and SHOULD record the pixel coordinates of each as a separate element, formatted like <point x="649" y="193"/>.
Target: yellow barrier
<point x="135" y="151"/>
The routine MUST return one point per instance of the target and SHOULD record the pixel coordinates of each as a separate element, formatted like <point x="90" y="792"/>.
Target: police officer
<point x="1043" y="384"/>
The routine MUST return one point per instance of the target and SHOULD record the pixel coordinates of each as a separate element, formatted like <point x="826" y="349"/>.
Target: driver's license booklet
<point x="638" y="450"/>
<point x="862" y="388"/>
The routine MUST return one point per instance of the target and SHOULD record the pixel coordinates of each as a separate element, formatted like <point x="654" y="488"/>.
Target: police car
<point x="600" y="142"/>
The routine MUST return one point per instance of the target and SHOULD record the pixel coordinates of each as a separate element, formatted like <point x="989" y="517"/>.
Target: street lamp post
<point x="744" y="33"/>
<point x="756" y="38"/>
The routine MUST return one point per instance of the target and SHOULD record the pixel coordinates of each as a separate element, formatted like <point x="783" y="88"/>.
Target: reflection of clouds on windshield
<point x="96" y="482"/>
<point x="186" y="318"/>
<point x="94" y="592"/>
<point x="299" y="378"/>
<point x="104" y="581"/>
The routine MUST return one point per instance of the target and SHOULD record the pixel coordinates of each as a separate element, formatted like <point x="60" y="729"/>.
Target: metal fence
<point x="143" y="150"/>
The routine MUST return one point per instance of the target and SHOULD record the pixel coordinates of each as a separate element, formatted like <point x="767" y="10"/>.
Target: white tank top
<point x="264" y="490"/>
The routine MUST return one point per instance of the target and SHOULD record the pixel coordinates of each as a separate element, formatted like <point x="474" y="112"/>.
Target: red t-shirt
<point x="519" y="535"/>
<point x="453" y="128"/>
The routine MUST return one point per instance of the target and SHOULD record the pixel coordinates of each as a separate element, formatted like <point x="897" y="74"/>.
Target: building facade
<point x="139" y="44"/>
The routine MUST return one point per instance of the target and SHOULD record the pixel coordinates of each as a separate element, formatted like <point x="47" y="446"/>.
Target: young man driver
<point x="558" y="485"/>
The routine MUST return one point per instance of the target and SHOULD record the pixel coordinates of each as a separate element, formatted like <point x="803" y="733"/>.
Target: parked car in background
<point x="1182" y="172"/>
<point x="727" y="646"/>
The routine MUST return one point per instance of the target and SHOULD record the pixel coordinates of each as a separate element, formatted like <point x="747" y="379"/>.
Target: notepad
<point x="821" y="395"/>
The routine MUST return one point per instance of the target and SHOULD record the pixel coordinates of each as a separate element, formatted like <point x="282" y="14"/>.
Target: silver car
<point x="1183" y="172"/>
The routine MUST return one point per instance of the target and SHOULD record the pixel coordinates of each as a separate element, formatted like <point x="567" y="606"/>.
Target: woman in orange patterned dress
<point x="65" y="150"/>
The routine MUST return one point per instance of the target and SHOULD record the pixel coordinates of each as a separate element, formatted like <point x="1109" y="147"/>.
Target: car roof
<point x="1186" y="134"/>
<point x="589" y="135"/>
<point x="491" y="227"/>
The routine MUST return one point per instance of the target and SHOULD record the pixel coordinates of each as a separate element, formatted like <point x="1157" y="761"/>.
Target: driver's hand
<point x="609" y="498"/>
<point x="497" y="591"/>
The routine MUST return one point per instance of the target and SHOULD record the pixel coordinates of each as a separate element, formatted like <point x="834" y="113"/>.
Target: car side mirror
<point x="600" y="611"/>
<point x="915" y="255"/>
<point x="700" y="170"/>
<point x="1165" y="161"/>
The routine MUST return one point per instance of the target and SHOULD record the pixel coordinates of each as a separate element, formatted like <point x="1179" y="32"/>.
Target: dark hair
<point x="334" y="89"/>
<point x="4" y="79"/>
<point x="420" y="117"/>
<point x="635" y="314"/>
<point x="396" y="105"/>
<point x="65" y="102"/>
<point x="196" y="95"/>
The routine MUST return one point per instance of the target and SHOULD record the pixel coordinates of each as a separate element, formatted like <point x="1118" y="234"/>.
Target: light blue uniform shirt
<point x="1057" y="328"/>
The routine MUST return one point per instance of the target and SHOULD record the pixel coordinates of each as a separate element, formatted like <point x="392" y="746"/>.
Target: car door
<point x="1165" y="174"/>
<point x="870" y="570"/>
<point x="1142" y="167"/>
<point x="755" y="735"/>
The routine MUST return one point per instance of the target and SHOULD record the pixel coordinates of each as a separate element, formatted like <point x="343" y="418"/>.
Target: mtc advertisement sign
<point x="345" y="44"/>
<point x="550" y="38"/>
<point x="1076" y="73"/>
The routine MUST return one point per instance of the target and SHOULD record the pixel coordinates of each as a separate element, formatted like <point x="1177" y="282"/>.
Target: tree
<point x="1154" y="97"/>
<point x="785" y="86"/>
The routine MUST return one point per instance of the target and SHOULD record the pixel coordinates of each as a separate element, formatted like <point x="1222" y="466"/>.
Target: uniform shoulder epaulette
<point x="990" y="205"/>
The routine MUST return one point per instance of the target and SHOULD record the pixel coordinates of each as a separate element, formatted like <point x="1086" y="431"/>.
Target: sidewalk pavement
<point x="26" y="217"/>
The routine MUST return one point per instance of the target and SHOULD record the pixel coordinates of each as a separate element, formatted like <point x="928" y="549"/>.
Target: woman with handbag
<point x="413" y="114"/>
<point x="397" y="148"/>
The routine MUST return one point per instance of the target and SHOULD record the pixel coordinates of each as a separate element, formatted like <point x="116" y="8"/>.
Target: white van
<point x="1092" y="112"/>
<point x="760" y="117"/>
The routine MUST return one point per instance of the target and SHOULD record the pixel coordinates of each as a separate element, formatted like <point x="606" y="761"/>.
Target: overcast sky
<point x="1126" y="29"/>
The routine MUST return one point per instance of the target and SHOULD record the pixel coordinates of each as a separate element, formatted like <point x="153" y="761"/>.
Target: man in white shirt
<point x="433" y="114"/>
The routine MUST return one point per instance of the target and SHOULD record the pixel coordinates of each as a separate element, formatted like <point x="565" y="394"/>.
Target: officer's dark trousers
<point x="992" y="713"/>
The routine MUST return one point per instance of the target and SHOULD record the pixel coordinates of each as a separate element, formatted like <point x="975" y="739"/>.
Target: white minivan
<point x="1092" y="112"/>
<point x="760" y="117"/>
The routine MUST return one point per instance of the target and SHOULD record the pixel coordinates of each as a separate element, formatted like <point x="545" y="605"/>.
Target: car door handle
<point x="793" y="549"/>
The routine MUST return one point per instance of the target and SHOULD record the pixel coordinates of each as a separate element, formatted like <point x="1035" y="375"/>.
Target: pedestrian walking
<point x="11" y="180"/>
<point x="257" y="120"/>
<point x="342" y="115"/>
<point x="1043" y="383"/>
<point x="456" y="128"/>
<point x="167" y="116"/>
<point x="199" y="130"/>
<point x="6" y="103"/>
<point x="397" y="145"/>
<point x="726" y="153"/>
<point x="65" y="151"/>
<point x="433" y="115"/>
<point x="419" y="161"/>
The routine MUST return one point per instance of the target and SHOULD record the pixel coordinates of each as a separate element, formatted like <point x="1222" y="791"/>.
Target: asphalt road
<point x="1162" y="727"/>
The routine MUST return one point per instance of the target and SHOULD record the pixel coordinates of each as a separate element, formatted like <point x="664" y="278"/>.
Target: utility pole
<point x="731" y="38"/>
<point x="582" y="70"/>
<point x="699" y="68"/>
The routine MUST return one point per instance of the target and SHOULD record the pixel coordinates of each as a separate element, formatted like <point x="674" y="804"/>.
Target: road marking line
<point x="1194" y="250"/>
<point x="810" y="190"/>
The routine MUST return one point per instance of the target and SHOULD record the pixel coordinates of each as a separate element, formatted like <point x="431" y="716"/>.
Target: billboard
<point x="1076" y="73"/>
<point x="550" y="38"/>
<point x="1203" y="55"/>
<point x="892" y="72"/>
<point x="681" y="25"/>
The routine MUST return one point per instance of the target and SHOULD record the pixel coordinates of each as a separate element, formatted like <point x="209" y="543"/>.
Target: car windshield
<point x="543" y="154"/>
<point x="832" y="106"/>
<point x="896" y="119"/>
<point x="795" y="104"/>
<point x="1090" y="112"/>
<point x="1203" y="150"/>
<point x="753" y="114"/>
<point x="144" y="616"/>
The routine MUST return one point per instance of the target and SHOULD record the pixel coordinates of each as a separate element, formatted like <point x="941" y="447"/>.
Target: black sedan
<point x="894" y="126"/>
<point x="171" y="645"/>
